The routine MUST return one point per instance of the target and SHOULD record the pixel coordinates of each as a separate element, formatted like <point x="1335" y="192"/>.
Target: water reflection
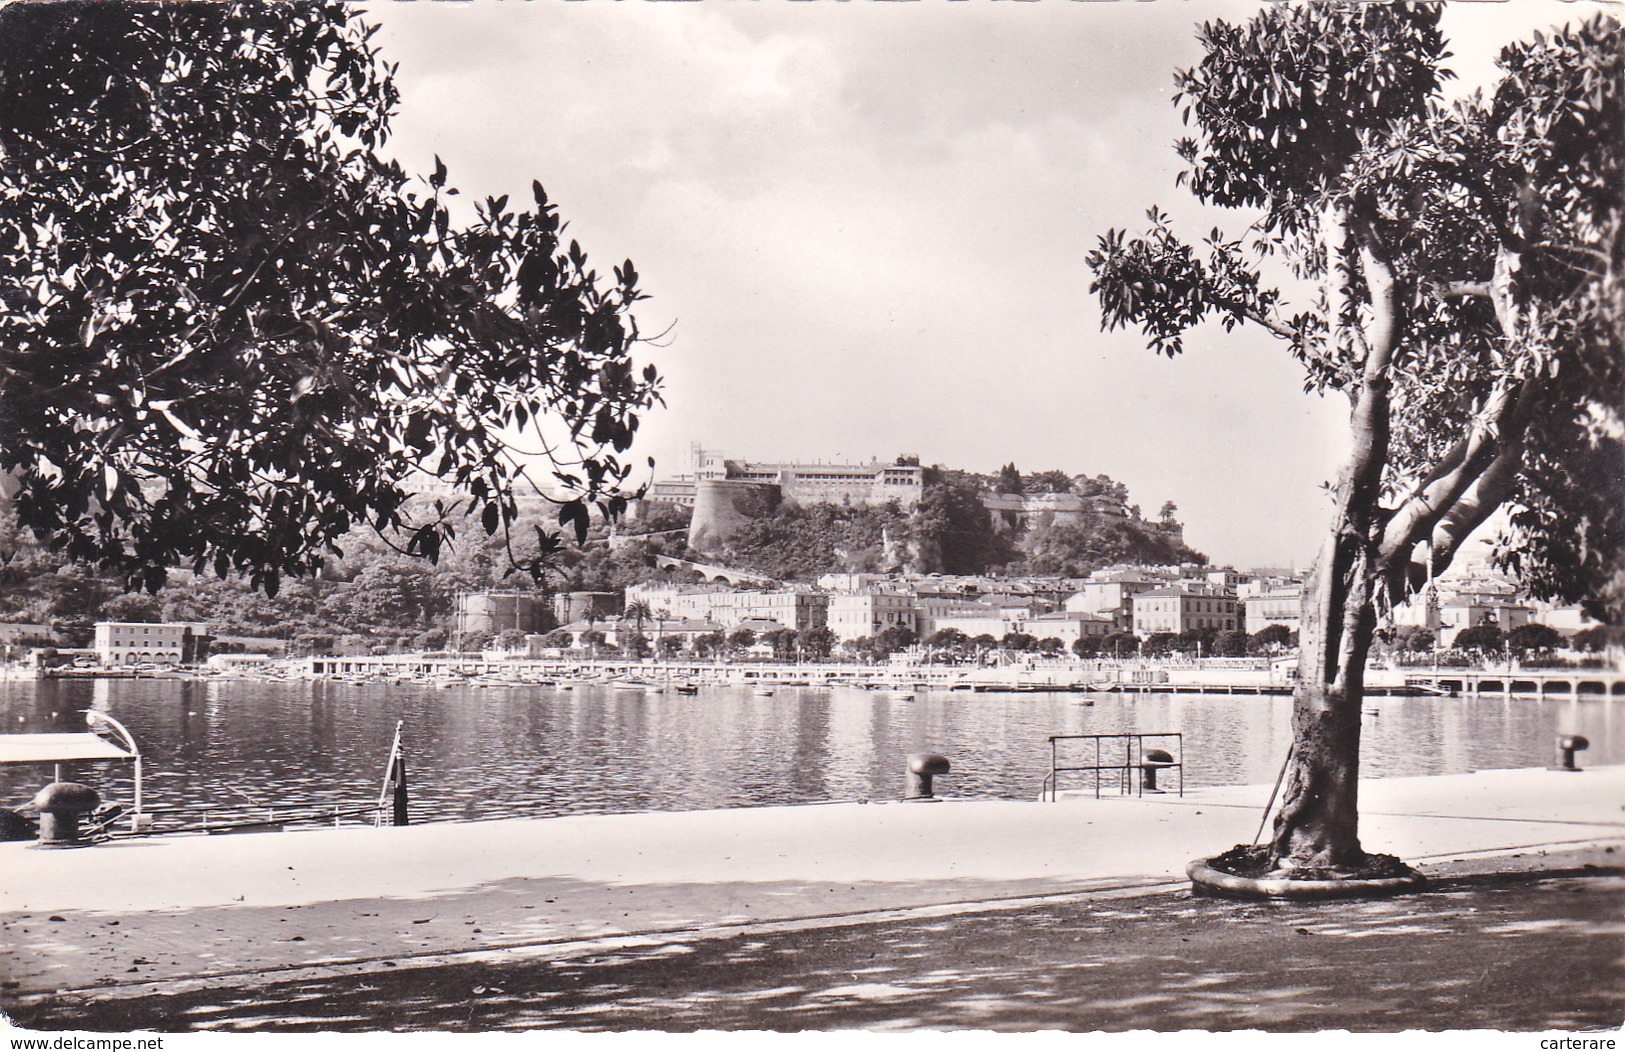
<point x="476" y="753"/>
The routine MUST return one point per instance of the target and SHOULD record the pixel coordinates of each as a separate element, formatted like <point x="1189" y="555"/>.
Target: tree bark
<point x="1318" y="824"/>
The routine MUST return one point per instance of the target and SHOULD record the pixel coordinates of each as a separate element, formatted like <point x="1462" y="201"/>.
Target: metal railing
<point x="1130" y="770"/>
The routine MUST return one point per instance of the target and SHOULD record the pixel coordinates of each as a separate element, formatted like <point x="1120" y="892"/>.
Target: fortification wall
<point x="722" y="506"/>
<point x="858" y="491"/>
<point x="1033" y="509"/>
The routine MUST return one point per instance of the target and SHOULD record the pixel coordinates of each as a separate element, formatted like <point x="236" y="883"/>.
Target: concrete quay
<point x="184" y="915"/>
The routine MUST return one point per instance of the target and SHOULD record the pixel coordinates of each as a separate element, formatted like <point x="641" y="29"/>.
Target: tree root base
<point x="1243" y="873"/>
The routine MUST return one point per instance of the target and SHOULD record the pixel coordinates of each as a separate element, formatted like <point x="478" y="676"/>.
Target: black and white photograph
<point x="818" y="520"/>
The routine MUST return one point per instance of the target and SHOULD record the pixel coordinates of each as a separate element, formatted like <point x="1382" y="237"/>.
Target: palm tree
<point x="638" y="612"/>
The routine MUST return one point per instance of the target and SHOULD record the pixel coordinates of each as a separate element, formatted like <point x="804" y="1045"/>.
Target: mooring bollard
<point x="60" y="804"/>
<point x="1567" y="746"/>
<point x="921" y="766"/>
<point x="1155" y="760"/>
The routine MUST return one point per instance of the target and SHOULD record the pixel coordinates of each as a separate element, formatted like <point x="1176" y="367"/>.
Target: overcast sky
<point x="866" y="225"/>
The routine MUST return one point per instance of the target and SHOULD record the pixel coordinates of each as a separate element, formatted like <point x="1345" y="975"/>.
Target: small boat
<point x="687" y="688"/>
<point x="763" y="692"/>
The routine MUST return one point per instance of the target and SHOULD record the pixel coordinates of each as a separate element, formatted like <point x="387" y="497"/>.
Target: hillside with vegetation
<point x="951" y="531"/>
<point x="375" y="596"/>
<point x="372" y="596"/>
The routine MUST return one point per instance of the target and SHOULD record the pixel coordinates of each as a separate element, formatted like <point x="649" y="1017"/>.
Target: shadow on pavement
<point x="1506" y="952"/>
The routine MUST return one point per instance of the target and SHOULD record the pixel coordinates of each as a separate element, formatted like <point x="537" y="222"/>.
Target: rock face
<point x="722" y="506"/>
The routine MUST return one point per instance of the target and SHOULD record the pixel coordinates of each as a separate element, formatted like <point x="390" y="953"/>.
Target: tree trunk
<point x="1318" y="823"/>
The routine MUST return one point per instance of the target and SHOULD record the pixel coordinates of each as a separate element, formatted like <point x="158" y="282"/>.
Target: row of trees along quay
<point x="1463" y="266"/>
<point x="233" y="331"/>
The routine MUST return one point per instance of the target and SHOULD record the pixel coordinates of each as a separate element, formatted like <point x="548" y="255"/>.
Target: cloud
<point x="868" y="222"/>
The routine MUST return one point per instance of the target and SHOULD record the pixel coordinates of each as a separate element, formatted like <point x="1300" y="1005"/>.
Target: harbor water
<point x="242" y="747"/>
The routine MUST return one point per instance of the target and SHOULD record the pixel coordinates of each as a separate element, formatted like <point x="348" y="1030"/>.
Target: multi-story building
<point x="1069" y="626"/>
<point x="1181" y="608"/>
<point x="1284" y="606"/>
<point x="994" y="623"/>
<point x="854" y="616"/>
<point x="1062" y="625"/>
<point x="792" y="608"/>
<point x="934" y="613"/>
<point x="1466" y="609"/>
<point x="1261" y="582"/>
<point x="797" y="608"/>
<point x="679" y="600"/>
<point x="850" y="582"/>
<point x="804" y="483"/>
<point x="1112" y="592"/>
<point x="132" y="642"/>
<point x="1228" y="578"/>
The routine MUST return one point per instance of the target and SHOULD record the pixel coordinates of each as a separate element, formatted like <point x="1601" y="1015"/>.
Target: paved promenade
<point x="181" y="916"/>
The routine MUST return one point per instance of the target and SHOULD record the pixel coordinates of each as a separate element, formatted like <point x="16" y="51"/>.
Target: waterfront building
<point x="855" y="616"/>
<point x="133" y="642"/>
<point x="995" y="623"/>
<point x="1069" y="626"/>
<point x="798" y="608"/>
<point x="670" y="597"/>
<point x="1465" y="609"/>
<point x="1183" y="608"/>
<point x="934" y="613"/>
<point x="1284" y="606"/>
<point x="791" y="608"/>
<point x="1062" y="625"/>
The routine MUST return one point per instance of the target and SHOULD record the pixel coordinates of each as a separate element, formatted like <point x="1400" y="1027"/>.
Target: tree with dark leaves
<point x="232" y="331"/>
